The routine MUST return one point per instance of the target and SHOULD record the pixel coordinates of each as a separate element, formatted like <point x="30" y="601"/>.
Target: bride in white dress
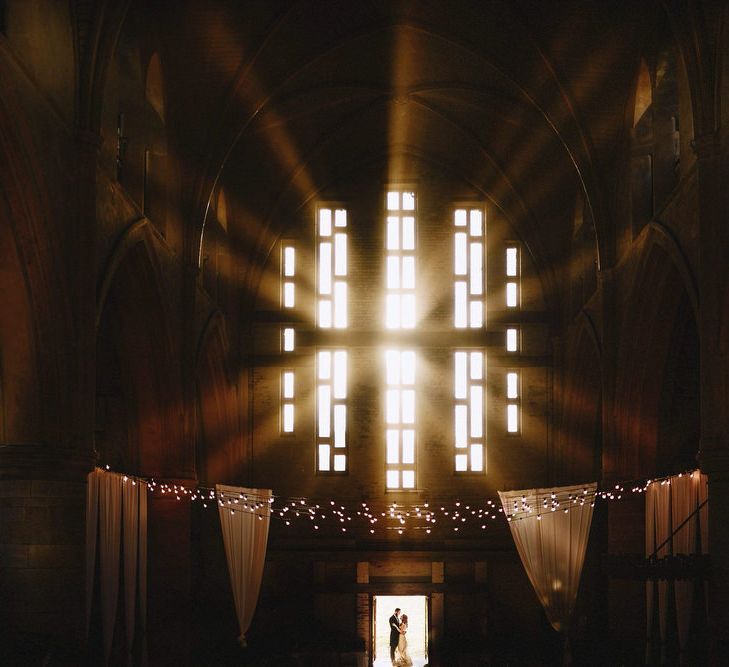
<point x="402" y="657"/>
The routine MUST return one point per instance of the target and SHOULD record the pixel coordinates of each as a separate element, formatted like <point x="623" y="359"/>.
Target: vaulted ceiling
<point x="523" y="102"/>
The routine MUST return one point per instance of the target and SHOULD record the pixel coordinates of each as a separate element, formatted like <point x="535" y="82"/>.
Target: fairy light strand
<point x="420" y="517"/>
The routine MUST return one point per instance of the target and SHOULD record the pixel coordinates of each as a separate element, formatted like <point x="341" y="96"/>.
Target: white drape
<point x="684" y="495"/>
<point x="668" y="504"/>
<point x="110" y="491"/>
<point x="92" y="523"/>
<point x="135" y="561"/>
<point x="552" y="549"/>
<point x="142" y="573"/>
<point x="116" y="505"/>
<point x="245" y="534"/>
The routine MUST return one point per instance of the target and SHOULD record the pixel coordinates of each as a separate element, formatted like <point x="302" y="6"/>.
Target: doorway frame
<point x="373" y="621"/>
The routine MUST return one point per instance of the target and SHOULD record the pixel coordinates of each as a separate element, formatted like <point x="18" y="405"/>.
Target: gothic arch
<point x="35" y="320"/>
<point x="660" y="317"/>
<point x="138" y="382"/>
<point x="18" y="355"/>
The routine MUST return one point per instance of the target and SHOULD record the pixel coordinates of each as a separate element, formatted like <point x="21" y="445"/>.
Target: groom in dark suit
<point x="394" y="633"/>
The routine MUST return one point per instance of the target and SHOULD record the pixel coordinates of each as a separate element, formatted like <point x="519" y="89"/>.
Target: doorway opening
<point x="416" y="608"/>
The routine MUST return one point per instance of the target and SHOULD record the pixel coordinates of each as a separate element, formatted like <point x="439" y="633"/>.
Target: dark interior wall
<point x="163" y="408"/>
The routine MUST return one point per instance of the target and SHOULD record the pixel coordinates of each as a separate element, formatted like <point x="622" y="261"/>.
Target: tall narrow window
<point x="512" y="339"/>
<point x="288" y="339"/>
<point x="400" y="263"/>
<point x="332" y="267"/>
<point x="513" y="273"/>
<point x="469" y="411"/>
<point x="331" y="415"/>
<point x="400" y="419"/>
<point x="513" y="396"/>
<point x="468" y="268"/>
<point x="287" y="401"/>
<point x="288" y="270"/>
<point x="288" y="301"/>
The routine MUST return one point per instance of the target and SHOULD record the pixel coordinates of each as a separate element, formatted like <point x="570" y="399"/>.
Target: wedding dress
<point x="402" y="657"/>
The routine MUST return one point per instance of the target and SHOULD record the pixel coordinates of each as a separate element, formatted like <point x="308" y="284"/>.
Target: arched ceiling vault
<point x="524" y="102"/>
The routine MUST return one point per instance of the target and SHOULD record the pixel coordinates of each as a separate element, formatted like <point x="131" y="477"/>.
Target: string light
<point x="407" y="518"/>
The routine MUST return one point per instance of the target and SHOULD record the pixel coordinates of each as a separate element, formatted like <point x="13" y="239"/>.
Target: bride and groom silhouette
<point x="398" y="642"/>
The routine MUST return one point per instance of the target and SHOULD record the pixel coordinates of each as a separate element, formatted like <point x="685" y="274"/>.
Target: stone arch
<point x="138" y="384"/>
<point x="660" y="321"/>
<point x="219" y="453"/>
<point x="581" y="449"/>
<point x="19" y="377"/>
<point x="35" y="320"/>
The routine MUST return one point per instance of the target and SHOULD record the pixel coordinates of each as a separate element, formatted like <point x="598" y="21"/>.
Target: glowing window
<point x="512" y="295"/>
<point x="513" y="396"/>
<point x="512" y="385"/>
<point x="513" y="274"/>
<point x="400" y="413"/>
<point x="288" y="274"/>
<point x="512" y="339"/>
<point x="400" y="260"/>
<point x="331" y="411"/>
<point x="288" y="339"/>
<point x="468" y="268"/>
<point x="287" y="401"/>
<point x="468" y="415"/>
<point x="332" y="268"/>
<point x="512" y="418"/>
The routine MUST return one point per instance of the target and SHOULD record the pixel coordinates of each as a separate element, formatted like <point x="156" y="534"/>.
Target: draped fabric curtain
<point x="552" y="547"/>
<point x="116" y="514"/>
<point x="92" y="524"/>
<point x="658" y="498"/>
<point x="684" y="497"/>
<point x="245" y="516"/>
<point x="674" y="525"/>
<point x="110" y="492"/>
